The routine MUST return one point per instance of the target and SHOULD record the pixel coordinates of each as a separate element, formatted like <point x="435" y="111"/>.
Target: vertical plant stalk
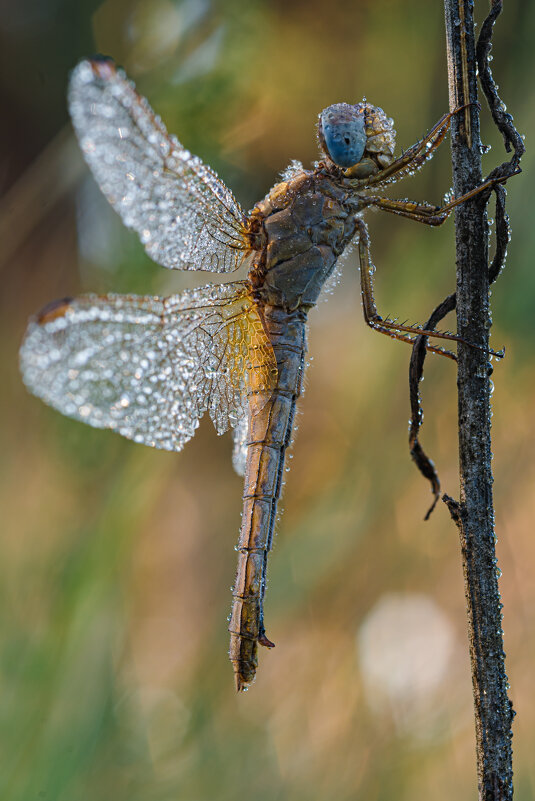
<point x="474" y="513"/>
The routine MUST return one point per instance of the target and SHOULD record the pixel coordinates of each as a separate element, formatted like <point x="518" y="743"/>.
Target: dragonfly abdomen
<point x="270" y="431"/>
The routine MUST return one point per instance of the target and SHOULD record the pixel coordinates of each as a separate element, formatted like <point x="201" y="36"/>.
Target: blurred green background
<point x="117" y="561"/>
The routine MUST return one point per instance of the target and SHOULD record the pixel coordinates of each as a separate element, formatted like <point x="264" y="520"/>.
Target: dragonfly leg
<point x="416" y="155"/>
<point x="425" y="212"/>
<point x="371" y="315"/>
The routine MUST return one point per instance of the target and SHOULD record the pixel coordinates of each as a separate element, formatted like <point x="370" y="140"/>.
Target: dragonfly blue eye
<point x="342" y="133"/>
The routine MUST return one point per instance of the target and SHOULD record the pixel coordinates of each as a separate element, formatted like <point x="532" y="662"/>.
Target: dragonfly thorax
<point x="359" y="138"/>
<point x="306" y="222"/>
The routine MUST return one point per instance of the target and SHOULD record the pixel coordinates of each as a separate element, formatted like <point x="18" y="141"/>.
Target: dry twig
<point x="474" y="513"/>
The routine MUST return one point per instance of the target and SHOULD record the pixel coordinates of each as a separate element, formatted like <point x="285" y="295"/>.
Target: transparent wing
<point x="239" y="453"/>
<point x="186" y="217"/>
<point x="150" y="367"/>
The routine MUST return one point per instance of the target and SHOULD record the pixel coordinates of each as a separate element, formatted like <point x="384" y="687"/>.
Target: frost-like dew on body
<point x="293" y="169"/>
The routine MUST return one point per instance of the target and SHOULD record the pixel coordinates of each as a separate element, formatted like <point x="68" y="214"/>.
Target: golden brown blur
<point x="117" y="561"/>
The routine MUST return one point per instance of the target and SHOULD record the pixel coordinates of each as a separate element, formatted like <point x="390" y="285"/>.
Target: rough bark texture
<point x="474" y="514"/>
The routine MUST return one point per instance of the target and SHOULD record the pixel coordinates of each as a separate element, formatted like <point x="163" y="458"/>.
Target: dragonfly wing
<point x="186" y="217"/>
<point x="150" y="367"/>
<point x="240" y="435"/>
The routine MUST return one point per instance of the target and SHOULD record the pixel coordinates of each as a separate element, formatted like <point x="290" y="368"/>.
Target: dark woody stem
<point x="474" y="513"/>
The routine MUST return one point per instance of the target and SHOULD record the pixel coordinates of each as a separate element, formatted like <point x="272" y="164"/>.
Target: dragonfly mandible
<point x="150" y="367"/>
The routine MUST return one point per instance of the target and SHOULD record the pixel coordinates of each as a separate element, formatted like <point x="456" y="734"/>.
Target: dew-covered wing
<point x="186" y="217"/>
<point x="150" y="367"/>
<point x="240" y="436"/>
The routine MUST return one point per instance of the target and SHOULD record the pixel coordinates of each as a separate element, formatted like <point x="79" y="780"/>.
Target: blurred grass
<point x="117" y="561"/>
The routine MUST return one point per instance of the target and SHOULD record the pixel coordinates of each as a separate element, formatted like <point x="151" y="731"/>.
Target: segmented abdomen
<point x="270" y="430"/>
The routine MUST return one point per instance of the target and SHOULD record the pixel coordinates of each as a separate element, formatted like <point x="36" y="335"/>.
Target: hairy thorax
<point x="297" y="232"/>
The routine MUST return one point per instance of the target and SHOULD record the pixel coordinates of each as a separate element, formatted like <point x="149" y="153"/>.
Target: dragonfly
<point x="149" y="368"/>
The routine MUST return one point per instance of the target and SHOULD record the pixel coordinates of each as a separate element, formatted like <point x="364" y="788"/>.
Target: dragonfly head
<point x="358" y="138"/>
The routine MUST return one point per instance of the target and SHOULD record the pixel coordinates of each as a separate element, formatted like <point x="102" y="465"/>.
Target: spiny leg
<point x="415" y="156"/>
<point x="371" y="315"/>
<point x="425" y="212"/>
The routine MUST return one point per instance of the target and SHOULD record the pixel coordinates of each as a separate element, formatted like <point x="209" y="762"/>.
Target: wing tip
<point x="103" y="66"/>
<point x="96" y="66"/>
<point x="53" y="310"/>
